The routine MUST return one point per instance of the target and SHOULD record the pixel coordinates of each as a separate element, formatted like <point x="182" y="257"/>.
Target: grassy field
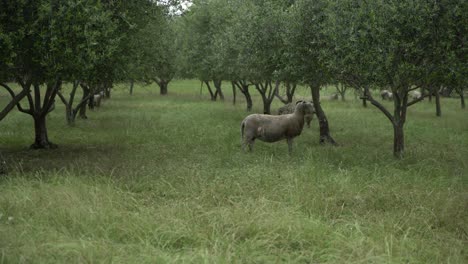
<point x="151" y="179"/>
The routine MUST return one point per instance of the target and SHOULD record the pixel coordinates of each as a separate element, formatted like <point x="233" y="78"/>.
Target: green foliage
<point x="199" y="29"/>
<point x="154" y="51"/>
<point x="350" y="50"/>
<point x="308" y="42"/>
<point x="51" y="40"/>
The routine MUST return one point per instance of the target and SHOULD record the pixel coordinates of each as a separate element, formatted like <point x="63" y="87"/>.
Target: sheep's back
<point x="287" y="109"/>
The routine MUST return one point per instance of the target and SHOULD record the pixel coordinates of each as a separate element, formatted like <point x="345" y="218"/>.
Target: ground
<point x="162" y="179"/>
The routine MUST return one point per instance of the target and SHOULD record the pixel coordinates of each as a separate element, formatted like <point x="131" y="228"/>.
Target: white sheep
<point x="415" y="95"/>
<point x="291" y="107"/>
<point x="97" y="100"/>
<point x="333" y="97"/>
<point x="272" y="128"/>
<point x="386" y="95"/>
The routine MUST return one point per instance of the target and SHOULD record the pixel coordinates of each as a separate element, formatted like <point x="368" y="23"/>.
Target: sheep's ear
<point x="300" y="101"/>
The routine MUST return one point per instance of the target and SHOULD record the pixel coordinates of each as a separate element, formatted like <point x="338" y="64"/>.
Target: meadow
<point x="162" y="179"/>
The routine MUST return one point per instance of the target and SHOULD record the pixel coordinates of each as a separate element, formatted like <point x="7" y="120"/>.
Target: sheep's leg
<point x="290" y="142"/>
<point x="247" y="141"/>
<point x="251" y="143"/>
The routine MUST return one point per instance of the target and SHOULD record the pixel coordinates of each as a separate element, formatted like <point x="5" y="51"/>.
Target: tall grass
<point x="152" y="179"/>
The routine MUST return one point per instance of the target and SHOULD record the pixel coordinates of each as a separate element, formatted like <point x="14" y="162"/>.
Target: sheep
<point x="386" y="95"/>
<point x="272" y="128"/>
<point x="97" y="100"/>
<point x="415" y="95"/>
<point x="334" y="97"/>
<point x="289" y="109"/>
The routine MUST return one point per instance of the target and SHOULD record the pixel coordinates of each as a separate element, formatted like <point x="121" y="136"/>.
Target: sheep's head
<point x="305" y="107"/>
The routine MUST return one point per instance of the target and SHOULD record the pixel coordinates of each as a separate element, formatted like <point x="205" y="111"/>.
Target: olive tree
<point x="306" y="19"/>
<point x="156" y="53"/>
<point x="394" y="44"/>
<point x="200" y="27"/>
<point x="48" y="48"/>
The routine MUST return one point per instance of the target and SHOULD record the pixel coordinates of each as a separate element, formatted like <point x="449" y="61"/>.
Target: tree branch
<point x="24" y="93"/>
<point x="15" y="101"/>
<point x="417" y="100"/>
<point x="62" y="98"/>
<point x="83" y="101"/>
<point x="368" y="96"/>
<point x="284" y="101"/>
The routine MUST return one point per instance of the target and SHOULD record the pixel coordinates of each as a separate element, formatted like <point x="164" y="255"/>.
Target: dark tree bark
<point x="267" y="91"/>
<point x="163" y="85"/>
<point x="41" y="109"/>
<point x="462" y="98"/>
<point x="234" y="93"/>
<point x="41" y="140"/>
<point x="84" y="99"/>
<point x="398" y="119"/>
<point x="437" y="97"/>
<point x="131" y="86"/>
<point x="70" y="112"/>
<point x="217" y="85"/>
<point x="243" y="86"/>
<point x="15" y="100"/>
<point x="325" y="136"/>
<point x="290" y="90"/>
<point x="341" y="89"/>
<point x="212" y="95"/>
<point x="398" y="140"/>
<point x="91" y="101"/>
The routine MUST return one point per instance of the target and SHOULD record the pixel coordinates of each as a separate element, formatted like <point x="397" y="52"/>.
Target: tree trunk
<point x="86" y="92"/>
<point x="83" y="112"/>
<point x="212" y="95"/>
<point x="437" y="97"/>
<point x="217" y="84"/>
<point x="244" y="88"/>
<point x="248" y="99"/>
<point x="91" y="103"/>
<point x="69" y="116"/>
<point x="41" y="139"/>
<point x="398" y="139"/>
<point x="41" y="109"/>
<point x="462" y="98"/>
<point x="267" y="107"/>
<point x="234" y="93"/>
<point x="400" y="103"/>
<point x="163" y="87"/>
<point x="341" y="91"/>
<point x="325" y="136"/>
<point x="131" y="86"/>
<point x="268" y="94"/>
<point x="364" y="102"/>
<point x="290" y="90"/>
